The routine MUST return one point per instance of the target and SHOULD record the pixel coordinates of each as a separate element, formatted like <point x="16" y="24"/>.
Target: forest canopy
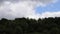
<point x="30" y="26"/>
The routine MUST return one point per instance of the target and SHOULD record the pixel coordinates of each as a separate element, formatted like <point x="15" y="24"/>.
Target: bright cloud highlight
<point x="11" y="9"/>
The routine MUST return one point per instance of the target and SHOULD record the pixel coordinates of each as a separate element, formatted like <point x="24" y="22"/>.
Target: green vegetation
<point x="30" y="26"/>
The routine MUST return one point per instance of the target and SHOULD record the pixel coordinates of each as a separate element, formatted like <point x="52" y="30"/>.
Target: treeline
<point x="30" y="26"/>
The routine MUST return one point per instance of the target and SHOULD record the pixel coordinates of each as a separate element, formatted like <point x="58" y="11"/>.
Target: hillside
<point x="30" y="26"/>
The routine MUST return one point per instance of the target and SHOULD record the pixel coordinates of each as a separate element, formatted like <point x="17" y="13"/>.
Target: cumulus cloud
<point x="50" y="14"/>
<point x="11" y="9"/>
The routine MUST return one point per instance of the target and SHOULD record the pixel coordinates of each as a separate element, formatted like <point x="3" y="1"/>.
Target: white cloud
<point x="50" y="14"/>
<point x="11" y="9"/>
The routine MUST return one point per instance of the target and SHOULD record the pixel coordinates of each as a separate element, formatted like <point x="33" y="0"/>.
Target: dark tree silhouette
<point x="30" y="26"/>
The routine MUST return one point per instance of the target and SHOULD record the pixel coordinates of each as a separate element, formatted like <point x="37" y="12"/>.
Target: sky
<point x="11" y="9"/>
<point x="51" y="7"/>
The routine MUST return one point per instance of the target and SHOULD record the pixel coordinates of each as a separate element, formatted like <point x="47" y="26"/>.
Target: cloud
<point x="50" y="14"/>
<point x="31" y="2"/>
<point x="11" y="9"/>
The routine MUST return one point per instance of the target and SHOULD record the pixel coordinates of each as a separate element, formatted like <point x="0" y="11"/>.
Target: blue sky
<point x="51" y="8"/>
<point x="11" y="9"/>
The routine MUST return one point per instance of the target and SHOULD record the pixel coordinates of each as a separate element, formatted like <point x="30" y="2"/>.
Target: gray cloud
<point x="42" y="1"/>
<point x="39" y="2"/>
<point x="11" y="9"/>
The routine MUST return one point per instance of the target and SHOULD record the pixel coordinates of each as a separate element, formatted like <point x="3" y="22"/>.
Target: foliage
<point x="30" y="26"/>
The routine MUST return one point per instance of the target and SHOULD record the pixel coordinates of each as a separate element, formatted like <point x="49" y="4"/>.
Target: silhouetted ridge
<point x="30" y="26"/>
